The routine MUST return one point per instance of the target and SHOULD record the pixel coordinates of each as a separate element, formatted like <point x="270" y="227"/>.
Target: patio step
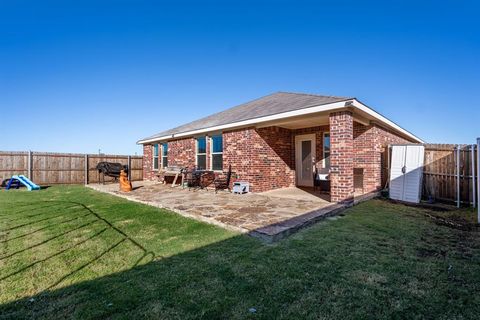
<point x="278" y="231"/>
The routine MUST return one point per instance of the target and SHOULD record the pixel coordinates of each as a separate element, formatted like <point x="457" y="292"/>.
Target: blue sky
<point x="78" y="76"/>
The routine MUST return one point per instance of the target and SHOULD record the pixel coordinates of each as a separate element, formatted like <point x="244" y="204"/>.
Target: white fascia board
<point x="278" y="116"/>
<point x="306" y="111"/>
<point x="357" y="104"/>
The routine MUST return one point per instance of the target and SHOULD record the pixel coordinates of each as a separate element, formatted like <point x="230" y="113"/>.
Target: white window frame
<point x="155" y="156"/>
<point x="162" y="164"/>
<point x="212" y="153"/>
<point x="323" y="149"/>
<point x="201" y="154"/>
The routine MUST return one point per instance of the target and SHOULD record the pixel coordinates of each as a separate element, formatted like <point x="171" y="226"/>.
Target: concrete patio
<point x="270" y="215"/>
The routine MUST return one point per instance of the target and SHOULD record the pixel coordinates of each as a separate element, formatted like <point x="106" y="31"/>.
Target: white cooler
<point x="241" y="187"/>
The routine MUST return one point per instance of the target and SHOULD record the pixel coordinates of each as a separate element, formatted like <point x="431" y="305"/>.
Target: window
<point x="164" y="155"/>
<point x="217" y="152"/>
<point x="326" y="150"/>
<point x="155" y="157"/>
<point x="202" y="153"/>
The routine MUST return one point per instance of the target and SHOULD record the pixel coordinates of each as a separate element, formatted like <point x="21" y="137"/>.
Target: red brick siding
<point x="265" y="157"/>
<point x="342" y="156"/>
<point x="148" y="172"/>
<point x="370" y="144"/>
<point x="364" y="139"/>
<point x="384" y="137"/>
<point x="260" y="156"/>
<point x="181" y="153"/>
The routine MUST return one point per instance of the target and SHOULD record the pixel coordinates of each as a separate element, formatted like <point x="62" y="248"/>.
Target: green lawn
<point x="72" y="252"/>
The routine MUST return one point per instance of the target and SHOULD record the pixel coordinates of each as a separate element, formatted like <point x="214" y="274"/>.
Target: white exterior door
<point x="305" y="159"/>
<point x="406" y="172"/>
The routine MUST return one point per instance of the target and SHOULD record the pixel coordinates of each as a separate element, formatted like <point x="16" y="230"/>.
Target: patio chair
<point x="206" y="179"/>
<point x="191" y="177"/>
<point x="222" y="182"/>
<point x="321" y="180"/>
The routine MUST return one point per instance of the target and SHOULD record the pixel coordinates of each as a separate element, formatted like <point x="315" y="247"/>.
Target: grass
<point x="69" y="252"/>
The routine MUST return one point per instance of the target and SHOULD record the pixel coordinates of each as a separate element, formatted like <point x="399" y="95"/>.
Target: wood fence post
<point x="86" y="169"/>
<point x="30" y="164"/>
<point x="129" y="161"/>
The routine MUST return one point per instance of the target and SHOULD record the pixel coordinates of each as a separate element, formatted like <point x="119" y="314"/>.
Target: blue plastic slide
<point x="25" y="181"/>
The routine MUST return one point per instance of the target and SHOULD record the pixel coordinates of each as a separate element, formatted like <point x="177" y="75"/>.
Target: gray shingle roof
<point x="269" y="105"/>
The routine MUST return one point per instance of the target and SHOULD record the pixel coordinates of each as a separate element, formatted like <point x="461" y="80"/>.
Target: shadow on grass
<point x="194" y="283"/>
<point x="90" y="213"/>
<point x="354" y="271"/>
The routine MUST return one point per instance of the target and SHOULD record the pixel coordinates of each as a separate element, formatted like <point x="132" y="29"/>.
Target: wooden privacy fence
<point x="450" y="173"/>
<point x="47" y="168"/>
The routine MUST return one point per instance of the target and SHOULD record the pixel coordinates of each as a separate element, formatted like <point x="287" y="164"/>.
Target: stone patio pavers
<point x="269" y="216"/>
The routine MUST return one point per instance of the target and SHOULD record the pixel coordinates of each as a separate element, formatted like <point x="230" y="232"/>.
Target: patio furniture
<point x="206" y="179"/>
<point x="222" y="181"/>
<point x="190" y="177"/>
<point x="110" y="169"/>
<point x="321" y="179"/>
<point x="172" y="171"/>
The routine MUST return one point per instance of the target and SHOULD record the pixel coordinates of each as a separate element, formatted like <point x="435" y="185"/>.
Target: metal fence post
<point x="86" y="169"/>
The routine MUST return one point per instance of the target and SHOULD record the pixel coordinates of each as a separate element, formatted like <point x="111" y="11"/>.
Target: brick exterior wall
<point x="181" y="153"/>
<point x="370" y="147"/>
<point x="148" y="172"/>
<point x="318" y="131"/>
<point x="341" y="156"/>
<point x="263" y="157"/>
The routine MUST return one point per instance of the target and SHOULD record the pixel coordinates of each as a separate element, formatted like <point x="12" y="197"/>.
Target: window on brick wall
<point x="326" y="149"/>
<point x="164" y="155"/>
<point x="216" y="146"/>
<point x="201" y="153"/>
<point x="155" y="156"/>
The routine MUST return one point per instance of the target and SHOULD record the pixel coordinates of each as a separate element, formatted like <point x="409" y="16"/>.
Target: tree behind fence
<point x="47" y="168"/>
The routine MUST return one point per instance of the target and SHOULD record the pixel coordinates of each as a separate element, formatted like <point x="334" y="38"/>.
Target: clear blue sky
<point x="77" y="76"/>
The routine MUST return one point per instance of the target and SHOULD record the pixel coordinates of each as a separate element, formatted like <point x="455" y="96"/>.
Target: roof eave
<point x="348" y="103"/>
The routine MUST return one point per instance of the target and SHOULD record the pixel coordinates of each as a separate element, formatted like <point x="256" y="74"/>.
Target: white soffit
<point x="365" y="111"/>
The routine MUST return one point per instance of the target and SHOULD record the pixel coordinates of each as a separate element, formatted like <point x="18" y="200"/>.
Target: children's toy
<point x="16" y="180"/>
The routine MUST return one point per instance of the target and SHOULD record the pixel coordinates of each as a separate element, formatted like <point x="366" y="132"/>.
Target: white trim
<point x="354" y="103"/>
<point x="323" y="148"/>
<point x="161" y="156"/>
<point x="211" y="153"/>
<point x="304" y="137"/>
<point x="201" y="154"/>
<point x="288" y="114"/>
<point x="158" y="156"/>
<point x="381" y="118"/>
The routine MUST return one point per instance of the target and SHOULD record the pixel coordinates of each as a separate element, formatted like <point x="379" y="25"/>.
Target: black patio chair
<point x="222" y="181"/>
<point x="191" y="177"/>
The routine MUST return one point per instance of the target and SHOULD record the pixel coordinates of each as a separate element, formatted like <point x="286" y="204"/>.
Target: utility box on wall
<point x="406" y="172"/>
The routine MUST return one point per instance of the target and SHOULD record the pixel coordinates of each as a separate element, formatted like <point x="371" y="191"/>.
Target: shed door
<point x="396" y="174"/>
<point x="406" y="172"/>
<point x="413" y="174"/>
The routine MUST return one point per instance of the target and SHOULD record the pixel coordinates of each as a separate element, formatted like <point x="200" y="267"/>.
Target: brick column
<point x="148" y="173"/>
<point x="341" y="156"/>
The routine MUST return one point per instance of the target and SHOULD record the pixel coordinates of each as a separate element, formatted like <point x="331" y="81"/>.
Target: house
<point x="281" y="140"/>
